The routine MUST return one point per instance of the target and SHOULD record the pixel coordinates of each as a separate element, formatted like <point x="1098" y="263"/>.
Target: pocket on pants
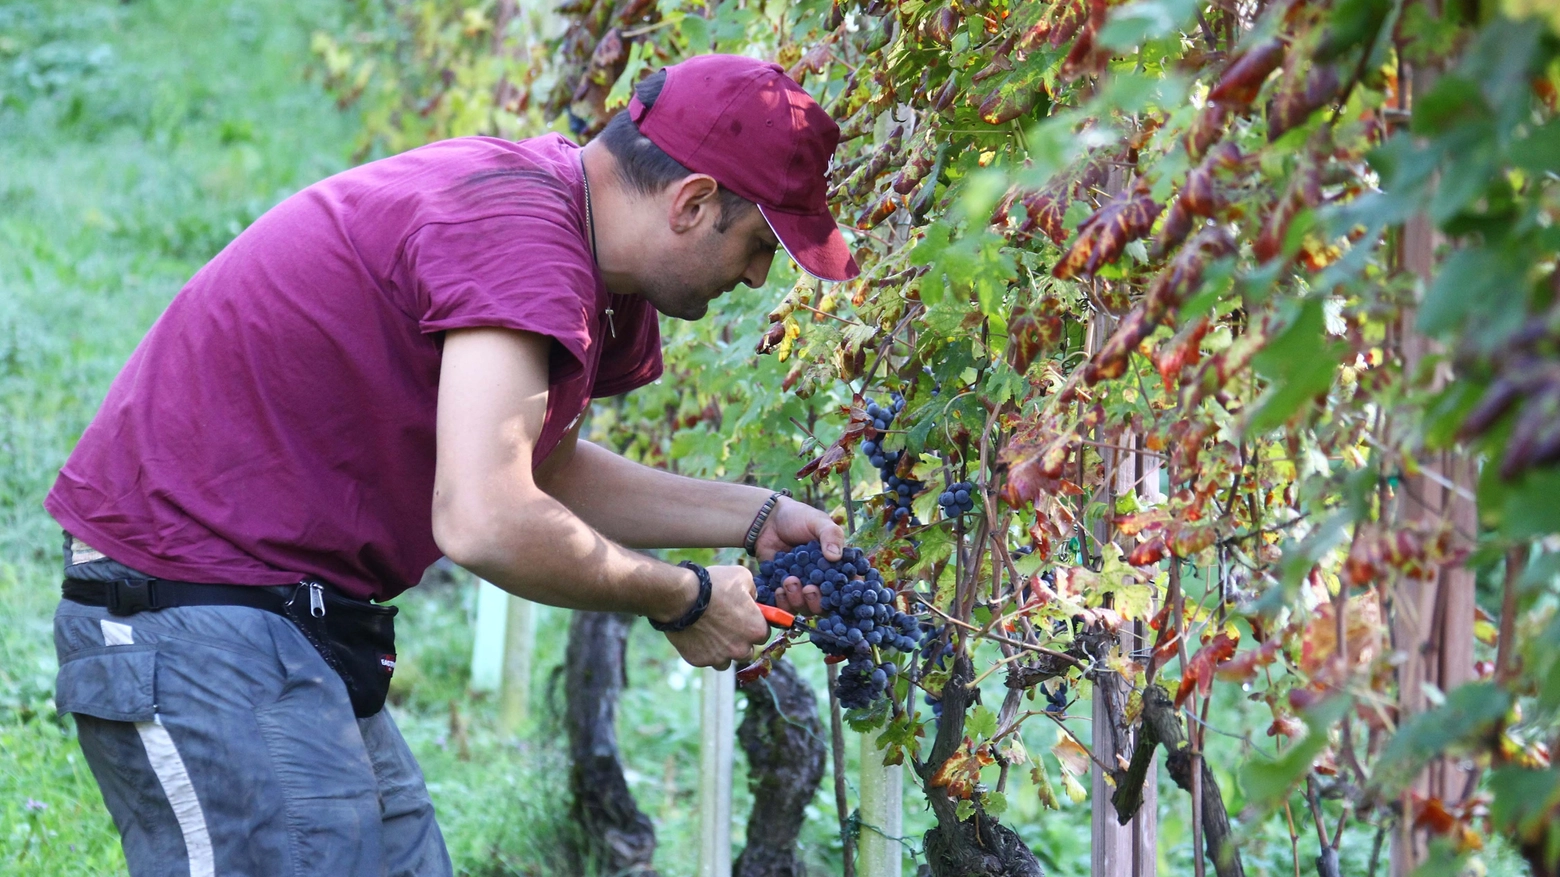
<point x="117" y="683"/>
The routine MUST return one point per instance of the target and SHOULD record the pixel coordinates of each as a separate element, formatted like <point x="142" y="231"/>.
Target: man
<point x="388" y="366"/>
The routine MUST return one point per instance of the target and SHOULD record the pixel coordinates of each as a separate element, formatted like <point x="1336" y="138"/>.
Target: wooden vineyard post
<point x="881" y="809"/>
<point x="501" y="652"/>
<point x="519" y="640"/>
<point x="1432" y="619"/>
<point x="487" y="647"/>
<point x="878" y="851"/>
<point x="718" y="734"/>
<point x="1118" y="850"/>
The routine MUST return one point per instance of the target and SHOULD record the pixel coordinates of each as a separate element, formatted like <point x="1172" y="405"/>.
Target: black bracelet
<point x="692" y="616"/>
<point x="750" y="543"/>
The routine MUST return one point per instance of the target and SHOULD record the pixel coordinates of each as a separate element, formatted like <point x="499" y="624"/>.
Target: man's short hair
<point x="648" y="169"/>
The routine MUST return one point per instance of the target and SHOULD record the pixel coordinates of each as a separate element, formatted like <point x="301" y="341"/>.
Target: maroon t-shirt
<point x="277" y="423"/>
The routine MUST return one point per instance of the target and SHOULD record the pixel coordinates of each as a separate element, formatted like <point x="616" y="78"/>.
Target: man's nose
<point x="758" y="269"/>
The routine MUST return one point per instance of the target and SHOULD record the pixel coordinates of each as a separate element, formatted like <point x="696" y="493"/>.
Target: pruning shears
<point x="782" y="620"/>
<point x="779" y="618"/>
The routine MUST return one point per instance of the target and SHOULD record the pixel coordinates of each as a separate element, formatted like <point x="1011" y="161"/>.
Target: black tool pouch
<point x="356" y="638"/>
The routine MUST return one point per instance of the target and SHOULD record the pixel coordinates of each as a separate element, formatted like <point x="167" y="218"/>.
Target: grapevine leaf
<point x="1299" y="363"/>
<point x="1267" y="783"/>
<point x="1074" y="758"/>
<point x="1470" y="710"/>
<point x="1126" y="217"/>
<point x="1042" y="780"/>
<point x="982" y="722"/>
<point x="1135" y="23"/>
<point x="1200" y="669"/>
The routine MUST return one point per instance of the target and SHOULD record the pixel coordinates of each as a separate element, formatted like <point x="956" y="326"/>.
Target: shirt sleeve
<point x="632" y="358"/>
<point x="530" y="271"/>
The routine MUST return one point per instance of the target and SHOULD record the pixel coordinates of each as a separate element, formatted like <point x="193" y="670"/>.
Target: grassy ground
<point x="135" y="140"/>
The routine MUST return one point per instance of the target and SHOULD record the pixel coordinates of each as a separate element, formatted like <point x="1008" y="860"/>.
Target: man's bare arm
<point x="650" y="508"/>
<point x="490" y="516"/>
<point x="631" y="503"/>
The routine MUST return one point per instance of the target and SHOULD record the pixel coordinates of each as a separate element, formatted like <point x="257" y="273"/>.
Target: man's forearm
<point x="544" y="552"/>
<point x="648" y="508"/>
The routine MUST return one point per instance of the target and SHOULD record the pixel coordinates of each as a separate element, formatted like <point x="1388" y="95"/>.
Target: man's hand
<point x="730" y="627"/>
<point x="793" y="523"/>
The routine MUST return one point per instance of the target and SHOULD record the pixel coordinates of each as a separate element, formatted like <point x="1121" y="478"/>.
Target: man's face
<point x="699" y="266"/>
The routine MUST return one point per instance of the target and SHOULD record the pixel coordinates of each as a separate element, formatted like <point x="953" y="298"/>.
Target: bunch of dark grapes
<point x="937" y="656"/>
<point x="958" y="499"/>
<point x="900" y="491"/>
<point x="858" y="616"/>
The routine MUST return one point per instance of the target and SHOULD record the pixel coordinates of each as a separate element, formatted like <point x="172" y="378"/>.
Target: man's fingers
<point x="832" y="538"/>
<point x="814" y="599"/>
<point x="793" y="591"/>
<point x="722" y="666"/>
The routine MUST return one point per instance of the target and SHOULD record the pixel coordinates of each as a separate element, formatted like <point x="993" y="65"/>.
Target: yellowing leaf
<point x="1074" y="758"/>
<point x="1042" y="781"/>
<point x="1075" y="790"/>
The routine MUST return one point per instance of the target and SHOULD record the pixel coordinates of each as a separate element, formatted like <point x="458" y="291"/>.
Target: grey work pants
<point x="224" y="745"/>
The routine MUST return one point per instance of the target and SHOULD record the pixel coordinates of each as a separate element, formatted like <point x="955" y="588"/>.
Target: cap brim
<point x="814" y="241"/>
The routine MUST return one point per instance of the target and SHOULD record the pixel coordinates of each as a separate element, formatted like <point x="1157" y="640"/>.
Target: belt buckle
<point x="129" y="596"/>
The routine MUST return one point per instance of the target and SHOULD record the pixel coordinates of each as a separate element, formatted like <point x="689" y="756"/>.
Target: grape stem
<point x="1106" y="769"/>
<point x="1061" y="656"/>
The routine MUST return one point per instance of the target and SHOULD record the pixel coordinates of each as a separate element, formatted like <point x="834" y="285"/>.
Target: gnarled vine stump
<point x="614" y="834"/>
<point x="783" y="740"/>
<point x="979" y="846"/>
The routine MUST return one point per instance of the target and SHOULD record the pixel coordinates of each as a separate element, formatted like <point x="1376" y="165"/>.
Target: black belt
<point x="129" y="596"/>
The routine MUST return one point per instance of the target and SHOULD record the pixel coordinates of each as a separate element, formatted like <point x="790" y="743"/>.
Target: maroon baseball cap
<point x="759" y="134"/>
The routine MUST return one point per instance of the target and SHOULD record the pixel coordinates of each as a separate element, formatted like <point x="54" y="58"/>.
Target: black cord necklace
<point x="590" y="220"/>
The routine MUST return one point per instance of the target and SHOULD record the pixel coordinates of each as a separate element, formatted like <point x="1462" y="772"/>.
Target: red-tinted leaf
<point x="1168" y="644"/>
<point x="1147" y="553"/>
<point x="1009" y="101"/>
<point x="815" y="61"/>
<point x="771" y="338"/>
<point x="1111" y="362"/>
<point x="1300" y="96"/>
<point x="940" y="26"/>
<point x="754" y="671"/>
<point x="1304" y="191"/>
<point x="880" y="209"/>
<point x="1206" y="130"/>
<point x="1185" y="349"/>
<point x="1431" y="814"/>
<point x="1199" y="196"/>
<point x="961" y="772"/>
<point x="1199" y="670"/>
<point x="1187" y="541"/>
<point x="1063" y="21"/>
<point x="1138" y="522"/>
<point x="1243" y="80"/>
<point x="1177" y="225"/>
<point x="1244" y="666"/>
<point x="1087" y="58"/>
<point x="1023" y="340"/>
<point x="1184" y="274"/>
<point x="1287" y="726"/>
<point x="944" y="96"/>
<point x="922" y="157"/>
<point x="1101" y="237"/>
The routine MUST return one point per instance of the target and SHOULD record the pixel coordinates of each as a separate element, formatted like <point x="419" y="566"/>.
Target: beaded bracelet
<point x="700" y="603"/>
<point x="750" y="543"/>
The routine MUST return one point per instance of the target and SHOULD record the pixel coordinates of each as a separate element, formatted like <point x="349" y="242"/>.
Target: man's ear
<point x="693" y="201"/>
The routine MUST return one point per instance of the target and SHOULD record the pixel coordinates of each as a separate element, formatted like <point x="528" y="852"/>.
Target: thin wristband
<point x="750" y="542"/>
<point x="700" y="603"/>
